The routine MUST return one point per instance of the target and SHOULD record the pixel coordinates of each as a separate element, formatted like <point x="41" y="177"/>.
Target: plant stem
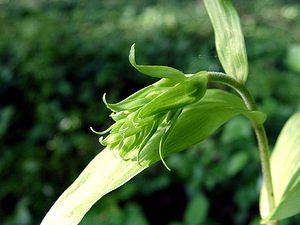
<point x="260" y="133"/>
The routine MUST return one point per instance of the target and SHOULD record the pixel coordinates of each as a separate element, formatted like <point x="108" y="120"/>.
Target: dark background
<point x="57" y="58"/>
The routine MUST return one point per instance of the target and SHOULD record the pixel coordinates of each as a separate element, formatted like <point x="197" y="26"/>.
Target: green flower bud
<point x="138" y="117"/>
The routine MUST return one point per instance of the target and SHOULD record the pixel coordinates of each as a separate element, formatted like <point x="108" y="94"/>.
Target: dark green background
<point x="57" y="58"/>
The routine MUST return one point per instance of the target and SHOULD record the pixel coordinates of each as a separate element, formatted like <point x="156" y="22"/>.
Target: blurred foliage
<point x="58" y="57"/>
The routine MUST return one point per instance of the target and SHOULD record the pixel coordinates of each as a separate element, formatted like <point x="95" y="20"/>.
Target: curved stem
<point x="259" y="129"/>
<point x="222" y="78"/>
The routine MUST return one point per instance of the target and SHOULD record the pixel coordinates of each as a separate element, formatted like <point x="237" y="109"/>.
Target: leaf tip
<point x="132" y="55"/>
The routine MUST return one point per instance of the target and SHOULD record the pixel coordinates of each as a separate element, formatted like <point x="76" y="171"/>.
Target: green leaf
<point x="134" y="215"/>
<point x="238" y="128"/>
<point x="257" y="116"/>
<point x="293" y="57"/>
<point x="200" y="120"/>
<point x="237" y="162"/>
<point x="196" y="211"/>
<point x="6" y="115"/>
<point x="103" y="174"/>
<point x="107" y="171"/>
<point x="229" y="38"/>
<point x="155" y="71"/>
<point x="285" y="170"/>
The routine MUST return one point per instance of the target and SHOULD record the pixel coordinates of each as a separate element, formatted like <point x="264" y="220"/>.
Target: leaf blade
<point x="285" y="169"/>
<point x="197" y="210"/>
<point x="229" y="39"/>
<point x="97" y="179"/>
<point x="212" y="111"/>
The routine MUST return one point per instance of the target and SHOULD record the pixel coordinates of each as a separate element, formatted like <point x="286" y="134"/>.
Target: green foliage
<point x="229" y="38"/>
<point x="196" y="211"/>
<point x="107" y="172"/>
<point x="285" y="167"/>
<point x="205" y="116"/>
<point x="73" y="204"/>
<point x="293" y="57"/>
<point x="113" y="215"/>
<point x="58" y="57"/>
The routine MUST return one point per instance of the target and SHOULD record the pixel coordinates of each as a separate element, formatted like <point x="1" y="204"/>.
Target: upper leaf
<point x="285" y="170"/>
<point x="229" y="38"/>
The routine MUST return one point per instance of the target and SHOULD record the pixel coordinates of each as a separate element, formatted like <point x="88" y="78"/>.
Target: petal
<point x="188" y="91"/>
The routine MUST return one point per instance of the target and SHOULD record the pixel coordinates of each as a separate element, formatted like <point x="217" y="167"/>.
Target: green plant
<point x="157" y="120"/>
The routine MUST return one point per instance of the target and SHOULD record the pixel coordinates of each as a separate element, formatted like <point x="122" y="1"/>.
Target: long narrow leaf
<point x="104" y="173"/>
<point x="229" y="38"/>
<point x="285" y="169"/>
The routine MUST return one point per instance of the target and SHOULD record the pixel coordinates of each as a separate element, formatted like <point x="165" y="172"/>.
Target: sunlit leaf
<point x="104" y="173"/>
<point x="229" y="38"/>
<point x="285" y="169"/>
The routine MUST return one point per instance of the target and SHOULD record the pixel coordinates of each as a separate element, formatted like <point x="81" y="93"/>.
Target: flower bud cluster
<point x="138" y="117"/>
<point x="157" y="106"/>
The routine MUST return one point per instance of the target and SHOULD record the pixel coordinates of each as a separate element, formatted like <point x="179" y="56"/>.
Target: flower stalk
<point x="259" y="130"/>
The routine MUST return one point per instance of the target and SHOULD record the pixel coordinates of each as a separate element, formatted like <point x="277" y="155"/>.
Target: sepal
<point x="155" y="71"/>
